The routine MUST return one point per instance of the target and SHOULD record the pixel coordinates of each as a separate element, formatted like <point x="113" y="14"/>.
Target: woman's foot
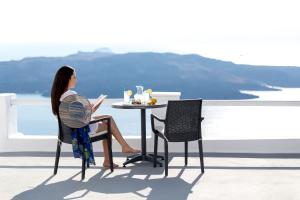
<point x="106" y="165"/>
<point x="128" y="149"/>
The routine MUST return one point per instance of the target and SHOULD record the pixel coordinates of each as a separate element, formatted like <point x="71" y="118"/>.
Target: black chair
<point x="182" y="124"/>
<point x="64" y="136"/>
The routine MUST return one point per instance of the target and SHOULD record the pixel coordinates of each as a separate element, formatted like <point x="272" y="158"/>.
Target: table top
<point x="123" y="105"/>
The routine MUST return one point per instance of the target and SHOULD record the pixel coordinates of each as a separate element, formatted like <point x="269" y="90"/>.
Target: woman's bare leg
<point x="105" y="152"/>
<point x="117" y="134"/>
<point x="106" y="163"/>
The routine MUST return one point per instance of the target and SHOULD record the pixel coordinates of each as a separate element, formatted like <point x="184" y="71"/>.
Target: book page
<point x="99" y="101"/>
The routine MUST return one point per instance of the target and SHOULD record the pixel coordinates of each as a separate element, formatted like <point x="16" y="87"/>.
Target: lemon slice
<point x="149" y="91"/>
<point x="129" y="92"/>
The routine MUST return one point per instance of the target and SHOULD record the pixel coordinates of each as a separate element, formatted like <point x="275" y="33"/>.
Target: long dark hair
<point x="60" y="85"/>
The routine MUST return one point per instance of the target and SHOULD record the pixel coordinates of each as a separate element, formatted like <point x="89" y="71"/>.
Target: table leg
<point x="143" y="133"/>
<point x="143" y="156"/>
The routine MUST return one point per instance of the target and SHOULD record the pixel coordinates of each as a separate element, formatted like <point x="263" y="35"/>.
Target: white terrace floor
<point x="225" y="178"/>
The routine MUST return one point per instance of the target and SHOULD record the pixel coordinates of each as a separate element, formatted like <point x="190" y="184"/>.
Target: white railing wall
<point x="8" y="117"/>
<point x="12" y="141"/>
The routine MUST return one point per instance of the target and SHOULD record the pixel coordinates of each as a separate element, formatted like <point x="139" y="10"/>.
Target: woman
<point x="64" y="80"/>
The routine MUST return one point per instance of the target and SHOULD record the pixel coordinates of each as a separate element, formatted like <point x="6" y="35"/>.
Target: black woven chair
<point x="64" y="136"/>
<point x="182" y="124"/>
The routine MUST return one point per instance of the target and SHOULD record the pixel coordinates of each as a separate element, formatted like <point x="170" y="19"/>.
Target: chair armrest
<point x="157" y="118"/>
<point x="100" y="120"/>
<point x="152" y="123"/>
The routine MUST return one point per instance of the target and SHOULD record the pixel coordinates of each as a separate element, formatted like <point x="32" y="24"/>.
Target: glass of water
<point x="127" y="94"/>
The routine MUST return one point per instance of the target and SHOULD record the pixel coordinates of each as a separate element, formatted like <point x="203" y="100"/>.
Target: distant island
<point x="109" y="73"/>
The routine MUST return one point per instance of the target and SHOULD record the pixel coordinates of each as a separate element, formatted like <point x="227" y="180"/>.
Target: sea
<point x="39" y="120"/>
<point x="226" y="123"/>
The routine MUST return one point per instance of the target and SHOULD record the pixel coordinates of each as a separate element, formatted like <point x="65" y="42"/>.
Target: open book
<point x="99" y="102"/>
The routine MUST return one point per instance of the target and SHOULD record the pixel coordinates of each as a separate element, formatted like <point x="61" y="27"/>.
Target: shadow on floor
<point x="161" y="188"/>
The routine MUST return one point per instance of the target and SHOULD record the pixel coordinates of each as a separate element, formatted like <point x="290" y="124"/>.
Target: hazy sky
<point x="242" y="31"/>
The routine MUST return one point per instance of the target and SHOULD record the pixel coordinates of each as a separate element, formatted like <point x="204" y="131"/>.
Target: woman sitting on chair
<point x="64" y="80"/>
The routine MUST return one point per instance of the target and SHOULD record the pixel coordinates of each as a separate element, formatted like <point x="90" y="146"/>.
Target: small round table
<point x="143" y="155"/>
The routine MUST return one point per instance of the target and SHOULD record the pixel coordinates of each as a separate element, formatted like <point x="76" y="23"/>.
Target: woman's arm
<point x="98" y="102"/>
<point x="94" y="108"/>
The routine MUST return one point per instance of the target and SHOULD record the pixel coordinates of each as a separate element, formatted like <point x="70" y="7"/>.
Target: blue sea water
<point x="39" y="120"/>
<point x="225" y="122"/>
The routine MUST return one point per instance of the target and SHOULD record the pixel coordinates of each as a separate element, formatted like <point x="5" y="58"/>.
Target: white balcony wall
<point x="12" y="140"/>
<point x="8" y="117"/>
<point x="236" y="141"/>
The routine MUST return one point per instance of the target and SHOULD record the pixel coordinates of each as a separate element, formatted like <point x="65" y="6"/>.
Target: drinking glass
<point x="126" y="96"/>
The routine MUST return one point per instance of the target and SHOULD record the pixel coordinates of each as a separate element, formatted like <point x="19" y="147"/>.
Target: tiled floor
<point x="228" y="178"/>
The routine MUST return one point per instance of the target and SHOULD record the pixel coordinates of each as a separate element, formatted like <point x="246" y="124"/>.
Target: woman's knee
<point x="102" y="126"/>
<point x="106" y="116"/>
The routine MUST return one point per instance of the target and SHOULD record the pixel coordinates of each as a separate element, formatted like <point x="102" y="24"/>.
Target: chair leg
<point x="110" y="153"/>
<point x="166" y="158"/>
<point x="201" y="155"/>
<point x="155" y="149"/>
<point x="185" y="152"/>
<point x="57" y="157"/>
<point x="83" y="169"/>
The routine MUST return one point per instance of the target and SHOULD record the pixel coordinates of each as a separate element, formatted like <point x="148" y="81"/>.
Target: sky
<point x="261" y="32"/>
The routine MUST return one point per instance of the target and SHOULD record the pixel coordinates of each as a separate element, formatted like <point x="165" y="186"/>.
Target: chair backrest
<point x="64" y="132"/>
<point x="183" y="120"/>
